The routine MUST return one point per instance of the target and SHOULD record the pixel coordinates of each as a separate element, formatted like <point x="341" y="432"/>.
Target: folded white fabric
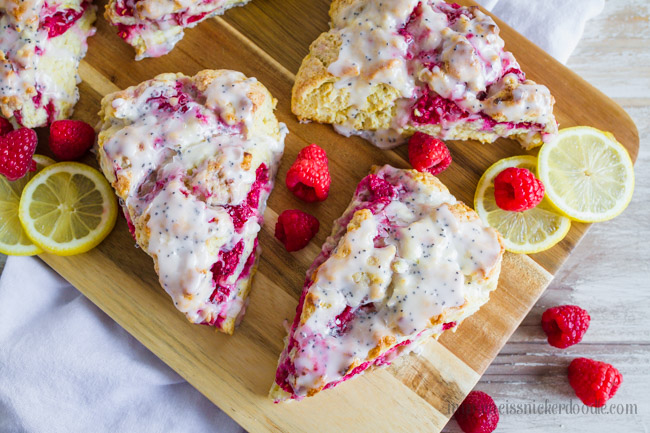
<point x="554" y="25"/>
<point x="67" y="367"/>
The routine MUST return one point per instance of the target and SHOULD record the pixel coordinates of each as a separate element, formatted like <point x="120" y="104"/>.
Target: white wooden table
<point x="607" y="274"/>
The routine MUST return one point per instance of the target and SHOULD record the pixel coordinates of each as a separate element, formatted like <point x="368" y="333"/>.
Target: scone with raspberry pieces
<point x="41" y="45"/>
<point x="405" y="262"/>
<point x="193" y="160"/>
<point x="386" y="69"/>
<point x="153" y="27"/>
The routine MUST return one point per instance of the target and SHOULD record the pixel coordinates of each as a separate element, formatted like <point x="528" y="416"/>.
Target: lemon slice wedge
<point x="13" y="240"/>
<point x="530" y="231"/>
<point x="68" y="208"/>
<point x="588" y="175"/>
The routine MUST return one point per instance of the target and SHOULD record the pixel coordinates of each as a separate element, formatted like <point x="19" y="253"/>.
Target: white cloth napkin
<point x="67" y="367"/>
<point x="554" y="25"/>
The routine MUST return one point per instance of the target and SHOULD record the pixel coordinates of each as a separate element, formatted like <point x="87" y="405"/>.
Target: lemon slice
<point x="13" y="240"/>
<point x="587" y="174"/>
<point x="530" y="231"/>
<point x="67" y="208"/>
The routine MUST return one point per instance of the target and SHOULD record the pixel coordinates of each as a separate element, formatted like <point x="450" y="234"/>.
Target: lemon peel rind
<point x="22" y="249"/>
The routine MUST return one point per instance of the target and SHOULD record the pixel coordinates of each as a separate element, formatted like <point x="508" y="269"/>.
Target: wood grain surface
<point x="607" y="273"/>
<point x="416" y="393"/>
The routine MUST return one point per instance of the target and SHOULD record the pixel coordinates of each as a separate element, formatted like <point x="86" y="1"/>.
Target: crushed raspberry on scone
<point x="309" y="177"/>
<point x="565" y="325"/>
<point x="477" y="413"/>
<point x="16" y="152"/>
<point x="70" y="139"/>
<point x="517" y="189"/>
<point x="428" y="154"/>
<point x="42" y="43"/>
<point x="154" y="27"/>
<point x="295" y="229"/>
<point x="594" y="382"/>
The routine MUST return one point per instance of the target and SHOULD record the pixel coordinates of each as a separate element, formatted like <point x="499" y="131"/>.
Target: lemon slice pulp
<point x="13" y="239"/>
<point x="67" y="208"/>
<point x="530" y="231"/>
<point x="588" y="175"/>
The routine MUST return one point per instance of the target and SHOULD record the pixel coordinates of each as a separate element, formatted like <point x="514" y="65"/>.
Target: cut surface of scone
<point x="193" y="161"/>
<point x="41" y="45"/>
<point x="153" y="27"/>
<point x="386" y="69"/>
<point x="404" y="262"/>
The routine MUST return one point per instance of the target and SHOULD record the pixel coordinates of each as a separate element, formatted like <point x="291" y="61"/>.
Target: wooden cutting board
<point x="268" y="39"/>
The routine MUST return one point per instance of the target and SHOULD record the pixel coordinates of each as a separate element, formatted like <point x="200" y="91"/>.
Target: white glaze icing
<point x="187" y="168"/>
<point x="428" y="260"/>
<point x="455" y="53"/>
<point x="157" y="25"/>
<point x="368" y="57"/>
<point x="24" y="44"/>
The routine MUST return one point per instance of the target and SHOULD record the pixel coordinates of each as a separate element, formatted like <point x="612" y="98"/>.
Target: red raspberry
<point x="16" y="152"/>
<point x="517" y="189"/>
<point x="309" y="177"/>
<point x="70" y="139"/>
<point x="594" y="382"/>
<point x="428" y="154"/>
<point x="295" y="229"/>
<point x="5" y="126"/>
<point x="477" y="413"/>
<point x="565" y="325"/>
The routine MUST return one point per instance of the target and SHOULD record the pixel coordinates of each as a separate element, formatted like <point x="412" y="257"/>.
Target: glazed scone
<point x="193" y="161"/>
<point x="404" y="262"/>
<point x="386" y="69"/>
<point x="41" y="45"/>
<point x="153" y="27"/>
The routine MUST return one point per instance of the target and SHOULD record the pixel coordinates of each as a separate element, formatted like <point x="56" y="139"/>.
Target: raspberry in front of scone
<point x="309" y="177"/>
<point x="295" y="229"/>
<point x="565" y="325"/>
<point x="517" y="189"/>
<point x="16" y="152"/>
<point x="594" y="382"/>
<point x="428" y="154"/>
<point x="70" y="139"/>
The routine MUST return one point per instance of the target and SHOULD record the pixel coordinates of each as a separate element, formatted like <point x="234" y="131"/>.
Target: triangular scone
<point x="389" y="68"/>
<point x="41" y="45"/>
<point x="193" y="160"/>
<point x="405" y="262"/>
<point x="153" y="27"/>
